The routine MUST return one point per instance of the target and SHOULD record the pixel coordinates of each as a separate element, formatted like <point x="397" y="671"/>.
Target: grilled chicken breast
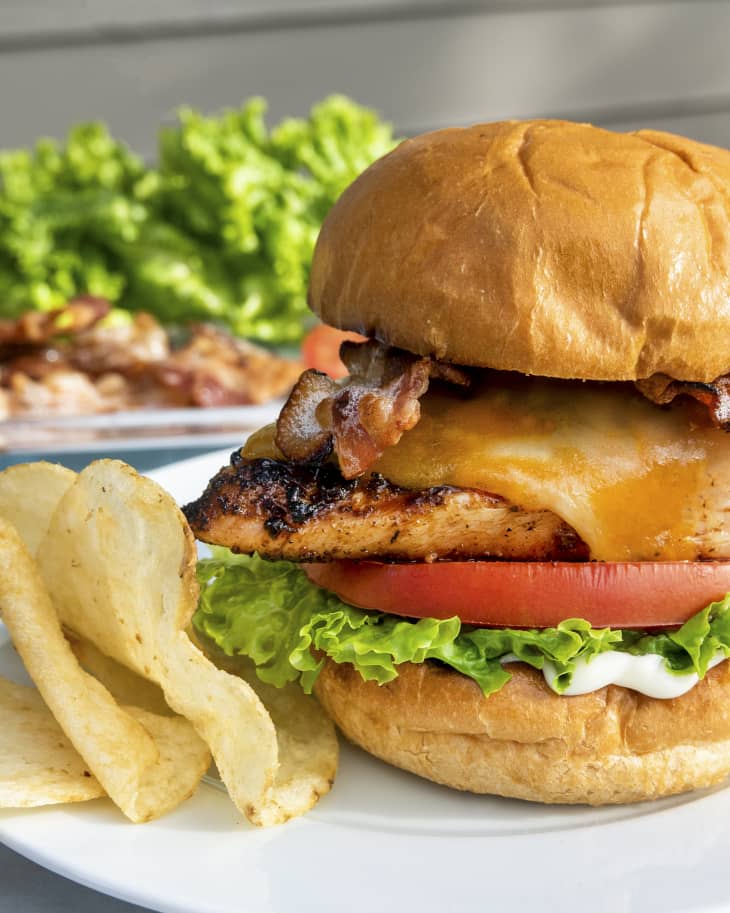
<point x="312" y="513"/>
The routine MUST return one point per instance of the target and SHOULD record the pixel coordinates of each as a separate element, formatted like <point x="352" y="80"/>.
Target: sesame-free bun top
<point x="544" y="247"/>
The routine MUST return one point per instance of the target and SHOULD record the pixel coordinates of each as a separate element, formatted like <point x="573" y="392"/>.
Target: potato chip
<point x="307" y="748"/>
<point x="126" y="686"/>
<point x="145" y="763"/>
<point x="306" y="739"/>
<point x="119" y="560"/>
<point x="38" y="764"/>
<point x="29" y="493"/>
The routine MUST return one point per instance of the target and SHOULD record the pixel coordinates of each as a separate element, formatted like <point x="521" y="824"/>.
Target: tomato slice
<point x="531" y="594"/>
<point x="321" y="349"/>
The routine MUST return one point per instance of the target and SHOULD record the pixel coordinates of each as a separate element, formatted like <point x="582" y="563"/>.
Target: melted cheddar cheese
<point x="636" y="481"/>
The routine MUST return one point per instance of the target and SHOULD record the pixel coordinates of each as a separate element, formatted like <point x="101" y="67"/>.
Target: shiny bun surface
<point x="544" y="247"/>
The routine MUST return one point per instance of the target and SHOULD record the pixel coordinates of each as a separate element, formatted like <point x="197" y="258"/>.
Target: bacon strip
<point x="366" y="413"/>
<point x="37" y="327"/>
<point x="215" y="369"/>
<point x="662" y="389"/>
<point x="299" y="433"/>
<point x="71" y="362"/>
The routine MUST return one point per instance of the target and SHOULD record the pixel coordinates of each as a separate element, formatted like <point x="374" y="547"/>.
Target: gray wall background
<point x="421" y="63"/>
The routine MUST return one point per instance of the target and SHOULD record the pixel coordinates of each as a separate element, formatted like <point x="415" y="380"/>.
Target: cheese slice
<point x="636" y="481"/>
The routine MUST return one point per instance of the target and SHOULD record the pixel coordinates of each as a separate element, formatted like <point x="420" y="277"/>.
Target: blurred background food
<point x="172" y="161"/>
<point x="84" y="358"/>
<point x="220" y="226"/>
<point x="133" y="285"/>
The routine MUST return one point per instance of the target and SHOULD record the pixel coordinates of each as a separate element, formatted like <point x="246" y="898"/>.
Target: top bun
<point x="543" y="247"/>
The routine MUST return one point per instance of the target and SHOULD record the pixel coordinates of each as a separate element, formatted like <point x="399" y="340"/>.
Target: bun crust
<point x="544" y="247"/>
<point x="525" y="742"/>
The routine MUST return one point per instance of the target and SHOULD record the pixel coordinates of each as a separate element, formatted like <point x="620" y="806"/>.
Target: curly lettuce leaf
<point x="337" y="142"/>
<point x="62" y="208"/>
<point x="271" y="613"/>
<point x="223" y="229"/>
<point x="258" y="198"/>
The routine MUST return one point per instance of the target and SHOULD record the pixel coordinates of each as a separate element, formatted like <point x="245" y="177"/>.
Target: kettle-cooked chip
<point x="119" y="561"/>
<point x="126" y="686"/>
<point x="307" y="743"/>
<point x="38" y="764"/>
<point x="29" y="494"/>
<point x="147" y="764"/>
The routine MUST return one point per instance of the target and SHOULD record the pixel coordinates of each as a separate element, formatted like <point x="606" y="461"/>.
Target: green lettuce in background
<point x="222" y="228"/>
<point x="270" y="612"/>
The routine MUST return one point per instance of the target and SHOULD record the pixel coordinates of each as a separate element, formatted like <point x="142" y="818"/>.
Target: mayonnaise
<point x="645" y="674"/>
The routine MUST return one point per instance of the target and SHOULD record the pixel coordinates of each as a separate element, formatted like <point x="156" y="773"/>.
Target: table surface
<point x="24" y="886"/>
<point x="27" y="888"/>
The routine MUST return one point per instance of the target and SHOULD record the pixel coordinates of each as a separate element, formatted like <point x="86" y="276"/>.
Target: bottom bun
<point x="526" y="742"/>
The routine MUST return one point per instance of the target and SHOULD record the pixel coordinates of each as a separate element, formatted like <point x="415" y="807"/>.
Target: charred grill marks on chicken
<point x="311" y="512"/>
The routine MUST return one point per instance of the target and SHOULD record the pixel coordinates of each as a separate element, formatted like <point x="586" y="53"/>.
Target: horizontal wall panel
<point x="44" y="18"/>
<point x="419" y="73"/>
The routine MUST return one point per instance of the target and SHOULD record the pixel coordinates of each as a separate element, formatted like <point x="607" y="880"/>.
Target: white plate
<point x="385" y="840"/>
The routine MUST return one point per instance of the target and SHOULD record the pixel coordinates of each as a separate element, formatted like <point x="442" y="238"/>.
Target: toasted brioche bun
<point x="544" y="247"/>
<point x="525" y="742"/>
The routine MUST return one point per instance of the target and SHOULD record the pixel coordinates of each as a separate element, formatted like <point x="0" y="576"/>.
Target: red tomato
<point x="531" y="594"/>
<point x="321" y="349"/>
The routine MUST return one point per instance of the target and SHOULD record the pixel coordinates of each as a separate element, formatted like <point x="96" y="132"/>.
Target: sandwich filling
<point x="410" y="460"/>
<point x="272" y="613"/>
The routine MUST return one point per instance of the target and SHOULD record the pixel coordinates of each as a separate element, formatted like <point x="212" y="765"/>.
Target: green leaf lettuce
<point x="270" y="612"/>
<point x="223" y="228"/>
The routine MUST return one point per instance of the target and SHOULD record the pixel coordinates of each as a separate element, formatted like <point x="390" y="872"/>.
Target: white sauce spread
<point x="645" y="674"/>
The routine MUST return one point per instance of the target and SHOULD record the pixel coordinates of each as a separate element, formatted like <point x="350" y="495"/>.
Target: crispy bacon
<point x="128" y="347"/>
<point x="299" y="432"/>
<point x="364" y="414"/>
<point x="35" y="328"/>
<point x="215" y="369"/>
<point x="69" y="362"/>
<point x="65" y="392"/>
<point x="662" y="390"/>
